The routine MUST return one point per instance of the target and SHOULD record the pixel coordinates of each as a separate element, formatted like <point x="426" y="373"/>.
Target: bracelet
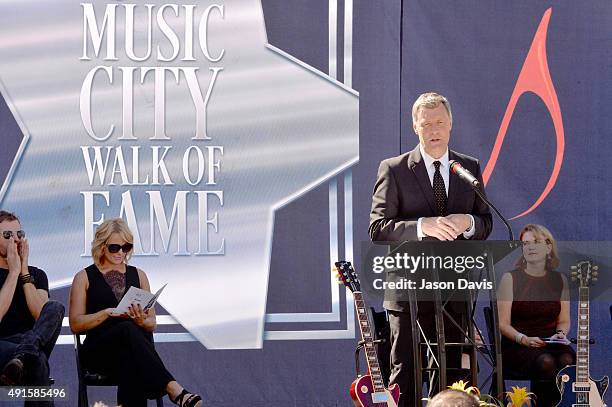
<point x="518" y="338"/>
<point x="26" y="278"/>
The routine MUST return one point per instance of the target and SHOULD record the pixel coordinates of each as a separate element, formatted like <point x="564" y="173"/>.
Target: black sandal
<point x="192" y="401"/>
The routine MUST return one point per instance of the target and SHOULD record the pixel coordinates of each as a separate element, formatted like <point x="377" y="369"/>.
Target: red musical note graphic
<point x="534" y="77"/>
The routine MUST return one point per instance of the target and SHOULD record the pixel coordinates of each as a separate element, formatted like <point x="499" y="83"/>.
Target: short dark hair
<point x="8" y="217"/>
<point x="453" y="398"/>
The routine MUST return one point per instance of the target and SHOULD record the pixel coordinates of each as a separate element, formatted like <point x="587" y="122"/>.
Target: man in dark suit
<point x="416" y="198"/>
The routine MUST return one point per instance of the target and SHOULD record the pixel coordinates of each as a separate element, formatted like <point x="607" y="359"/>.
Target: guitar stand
<point x="360" y="346"/>
<point x="436" y="346"/>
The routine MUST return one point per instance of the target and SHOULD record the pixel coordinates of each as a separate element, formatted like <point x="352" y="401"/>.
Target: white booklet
<point x="554" y="340"/>
<point x="137" y="296"/>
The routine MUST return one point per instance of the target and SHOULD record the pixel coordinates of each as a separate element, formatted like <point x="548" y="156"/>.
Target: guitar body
<point x="565" y="381"/>
<point x="362" y="390"/>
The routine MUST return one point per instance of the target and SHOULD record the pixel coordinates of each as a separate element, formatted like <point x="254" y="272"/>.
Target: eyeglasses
<point x="7" y="234"/>
<point x="114" y="248"/>
<point x="527" y="243"/>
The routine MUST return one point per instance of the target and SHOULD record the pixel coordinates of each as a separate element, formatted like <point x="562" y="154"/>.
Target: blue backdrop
<point x="470" y="51"/>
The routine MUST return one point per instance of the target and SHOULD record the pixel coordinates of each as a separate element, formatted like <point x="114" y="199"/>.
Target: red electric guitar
<point x="368" y="390"/>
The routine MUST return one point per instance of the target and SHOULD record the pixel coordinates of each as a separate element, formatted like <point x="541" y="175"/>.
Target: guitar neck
<point x="367" y="336"/>
<point x="582" y="354"/>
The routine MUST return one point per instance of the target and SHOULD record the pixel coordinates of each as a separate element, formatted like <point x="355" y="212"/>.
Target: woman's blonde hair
<point x="540" y="232"/>
<point x="104" y="232"/>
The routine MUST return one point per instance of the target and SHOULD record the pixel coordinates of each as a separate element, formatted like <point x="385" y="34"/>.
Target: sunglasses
<point x="7" y="234"/>
<point x="114" y="248"/>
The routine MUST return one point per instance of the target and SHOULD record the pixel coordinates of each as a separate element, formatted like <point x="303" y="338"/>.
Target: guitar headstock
<point x="585" y="272"/>
<point x="348" y="275"/>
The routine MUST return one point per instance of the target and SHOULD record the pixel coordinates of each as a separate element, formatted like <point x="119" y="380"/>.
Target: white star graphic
<point x="284" y="129"/>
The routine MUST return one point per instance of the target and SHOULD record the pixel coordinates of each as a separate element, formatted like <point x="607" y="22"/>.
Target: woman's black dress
<point x="535" y="309"/>
<point x="119" y="348"/>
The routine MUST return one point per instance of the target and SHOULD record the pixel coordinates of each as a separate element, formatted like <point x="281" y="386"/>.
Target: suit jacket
<point x="403" y="194"/>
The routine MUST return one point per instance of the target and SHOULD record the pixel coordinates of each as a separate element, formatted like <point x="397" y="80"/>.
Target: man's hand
<point x="441" y="228"/>
<point x="462" y="222"/>
<point x="24" y="253"/>
<point x="12" y="257"/>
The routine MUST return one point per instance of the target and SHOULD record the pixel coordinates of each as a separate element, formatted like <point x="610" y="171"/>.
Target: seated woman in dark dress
<point x="533" y="303"/>
<point x="120" y="347"/>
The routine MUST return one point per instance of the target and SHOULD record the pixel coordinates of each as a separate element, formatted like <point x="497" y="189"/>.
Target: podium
<point x="446" y="276"/>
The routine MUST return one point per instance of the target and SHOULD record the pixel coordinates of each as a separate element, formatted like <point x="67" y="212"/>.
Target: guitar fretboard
<point x="582" y="354"/>
<point x="368" y="340"/>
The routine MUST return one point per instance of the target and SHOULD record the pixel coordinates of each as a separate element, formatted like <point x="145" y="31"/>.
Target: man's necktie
<point x="439" y="191"/>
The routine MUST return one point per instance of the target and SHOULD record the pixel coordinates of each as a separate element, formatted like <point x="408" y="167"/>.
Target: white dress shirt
<point x="445" y="172"/>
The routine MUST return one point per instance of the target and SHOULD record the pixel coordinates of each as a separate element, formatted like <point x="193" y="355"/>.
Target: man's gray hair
<point x="430" y="100"/>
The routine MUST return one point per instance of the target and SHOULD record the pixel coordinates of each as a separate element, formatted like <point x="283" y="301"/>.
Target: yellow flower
<point x="460" y="385"/>
<point x="519" y="396"/>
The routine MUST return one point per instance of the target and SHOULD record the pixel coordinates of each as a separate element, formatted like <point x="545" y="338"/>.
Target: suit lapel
<point x="454" y="184"/>
<point x="417" y="166"/>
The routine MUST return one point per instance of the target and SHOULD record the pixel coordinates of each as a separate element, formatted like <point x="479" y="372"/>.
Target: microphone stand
<point x="467" y="177"/>
<point x="490" y="205"/>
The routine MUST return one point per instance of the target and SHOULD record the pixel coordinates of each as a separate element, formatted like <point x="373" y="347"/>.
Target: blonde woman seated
<point x="120" y="347"/>
<point x="534" y="304"/>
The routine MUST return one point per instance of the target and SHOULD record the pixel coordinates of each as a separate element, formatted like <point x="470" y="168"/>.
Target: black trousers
<point x="35" y="345"/>
<point x="402" y="357"/>
<point x="124" y="351"/>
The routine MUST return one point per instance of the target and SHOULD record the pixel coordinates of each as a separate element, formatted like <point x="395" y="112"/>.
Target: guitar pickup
<point x="380" y="397"/>
<point x="576" y="387"/>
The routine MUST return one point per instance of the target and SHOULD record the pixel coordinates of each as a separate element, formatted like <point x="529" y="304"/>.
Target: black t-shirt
<point x="18" y="318"/>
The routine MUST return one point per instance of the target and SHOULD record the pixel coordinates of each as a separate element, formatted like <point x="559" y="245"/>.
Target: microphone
<point x="463" y="173"/>
<point x="468" y="177"/>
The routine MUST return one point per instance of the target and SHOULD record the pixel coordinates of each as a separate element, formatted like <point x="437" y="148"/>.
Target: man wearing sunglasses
<point x="29" y="322"/>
